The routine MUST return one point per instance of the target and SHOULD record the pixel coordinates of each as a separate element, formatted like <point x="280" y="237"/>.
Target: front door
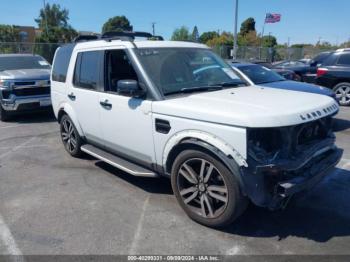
<point x="126" y="122"/>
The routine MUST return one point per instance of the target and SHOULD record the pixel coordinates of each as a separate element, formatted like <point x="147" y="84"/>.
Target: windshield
<point x="23" y="62"/>
<point x="174" y="70"/>
<point x="260" y="75"/>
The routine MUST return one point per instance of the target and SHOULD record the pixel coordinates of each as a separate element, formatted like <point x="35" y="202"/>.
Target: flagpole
<point x="262" y="35"/>
<point x="235" y="40"/>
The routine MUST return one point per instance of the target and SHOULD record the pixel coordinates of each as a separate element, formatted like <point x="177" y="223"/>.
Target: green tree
<point x="225" y="38"/>
<point x="195" y="34"/>
<point x="269" y="41"/>
<point x="53" y="22"/>
<point x="206" y="36"/>
<point x="118" y="24"/>
<point x="181" y="34"/>
<point x="8" y="34"/>
<point x="247" y="26"/>
<point x="324" y="45"/>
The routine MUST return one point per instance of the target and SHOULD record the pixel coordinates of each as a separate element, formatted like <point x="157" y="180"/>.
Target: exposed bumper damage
<point x="284" y="161"/>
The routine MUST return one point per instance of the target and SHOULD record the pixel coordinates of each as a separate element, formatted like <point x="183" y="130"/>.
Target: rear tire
<point x="70" y="137"/>
<point x="4" y="116"/>
<point x="342" y="92"/>
<point x="206" y="189"/>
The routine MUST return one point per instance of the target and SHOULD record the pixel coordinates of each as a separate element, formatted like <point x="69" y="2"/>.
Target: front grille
<point x="313" y="131"/>
<point x="32" y="91"/>
<point x="28" y="83"/>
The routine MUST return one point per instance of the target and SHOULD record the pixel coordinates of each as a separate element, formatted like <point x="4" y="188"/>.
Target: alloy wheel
<point x="202" y="188"/>
<point x="343" y="94"/>
<point x="69" y="137"/>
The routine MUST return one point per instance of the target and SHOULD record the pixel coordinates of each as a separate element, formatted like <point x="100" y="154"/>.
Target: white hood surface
<point x="249" y="107"/>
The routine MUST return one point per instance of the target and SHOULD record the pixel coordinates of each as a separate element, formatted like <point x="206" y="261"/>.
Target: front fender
<point x="212" y="140"/>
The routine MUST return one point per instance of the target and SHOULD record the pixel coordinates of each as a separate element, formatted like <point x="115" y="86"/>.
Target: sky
<point x="303" y="21"/>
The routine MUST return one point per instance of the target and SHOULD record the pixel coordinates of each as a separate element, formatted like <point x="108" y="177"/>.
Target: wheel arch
<point x="205" y="142"/>
<point x="68" y="110"/>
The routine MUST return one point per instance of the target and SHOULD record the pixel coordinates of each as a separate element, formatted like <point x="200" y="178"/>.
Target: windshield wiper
<point x="213" y="87"/>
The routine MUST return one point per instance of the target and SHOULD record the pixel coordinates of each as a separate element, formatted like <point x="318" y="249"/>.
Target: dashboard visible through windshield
<point x="176" y="70"/>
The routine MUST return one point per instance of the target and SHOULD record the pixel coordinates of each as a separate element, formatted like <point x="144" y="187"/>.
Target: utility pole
<point x="45" y="17"/>
<point x="235" y="42"/>
<point x="154" y="28"/>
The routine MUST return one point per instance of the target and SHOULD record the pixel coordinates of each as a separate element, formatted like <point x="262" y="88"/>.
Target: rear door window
<point x="344" y="60"/>
<point x="87" y="70"/>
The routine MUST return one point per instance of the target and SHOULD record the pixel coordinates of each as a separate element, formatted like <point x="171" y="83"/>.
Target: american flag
<point x="272" y="18"/>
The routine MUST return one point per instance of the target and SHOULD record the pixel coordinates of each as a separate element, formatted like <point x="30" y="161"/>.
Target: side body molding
<point x="205" y="137"/>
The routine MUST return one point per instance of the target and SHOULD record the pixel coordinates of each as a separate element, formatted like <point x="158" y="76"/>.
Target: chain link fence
<point x="268" y="54"/>
<point x="47" y="50"/>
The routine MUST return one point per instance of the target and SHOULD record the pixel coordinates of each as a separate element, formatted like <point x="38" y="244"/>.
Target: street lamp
<point x="235" y="41"/>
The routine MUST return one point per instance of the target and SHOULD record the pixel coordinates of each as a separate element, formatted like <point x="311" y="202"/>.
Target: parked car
<point x="24" y="84"/>
<point x="287" y="74"/>
<point x="305" y="72"/>
<point x="335" y="74"/>
<point x="176" y="109"/>
<point x="262" y="76"/>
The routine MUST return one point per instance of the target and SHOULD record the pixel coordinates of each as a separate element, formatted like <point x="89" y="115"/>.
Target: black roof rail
<point x="81" y="38"/>
<point x="122" y="35"/>
<point x="131" y="35"/>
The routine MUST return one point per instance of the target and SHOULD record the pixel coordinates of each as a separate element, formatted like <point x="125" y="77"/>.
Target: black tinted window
<point x="87" y="70"/>
<point x="61" y="63"/>
<point x="260" y="75"/>
<point x="344" y="59"/>
<point x="330" y="60"/>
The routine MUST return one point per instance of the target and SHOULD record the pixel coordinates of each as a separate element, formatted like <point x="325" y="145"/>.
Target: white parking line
<point x="134" y="244"/>
<point x="9" y="242"/>
<point x="23" y="147"/>
<point x="4" y="127"/>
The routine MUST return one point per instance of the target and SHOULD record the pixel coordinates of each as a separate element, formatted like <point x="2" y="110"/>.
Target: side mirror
<point x="130" y="88"/>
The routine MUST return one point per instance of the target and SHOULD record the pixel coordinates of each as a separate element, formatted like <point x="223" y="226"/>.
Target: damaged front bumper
<point x="272" y="184"/>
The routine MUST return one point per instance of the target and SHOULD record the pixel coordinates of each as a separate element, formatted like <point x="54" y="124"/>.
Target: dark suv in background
<point x="335" y="74"/>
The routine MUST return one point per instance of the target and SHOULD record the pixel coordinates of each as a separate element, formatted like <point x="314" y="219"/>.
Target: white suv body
<point x="150" y="133"/>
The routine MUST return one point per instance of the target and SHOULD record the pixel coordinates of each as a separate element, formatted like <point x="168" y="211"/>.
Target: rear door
<point x="84" y="97"/>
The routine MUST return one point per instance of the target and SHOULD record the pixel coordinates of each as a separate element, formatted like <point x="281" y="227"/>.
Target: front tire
<point x="4" y="116"/>
<point x="206" y="189"/>
<point x="342" y="92"/>
<point x="70" y="137"/>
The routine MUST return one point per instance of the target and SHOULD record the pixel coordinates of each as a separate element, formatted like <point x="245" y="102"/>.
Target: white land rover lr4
<point x="175" y="109"/>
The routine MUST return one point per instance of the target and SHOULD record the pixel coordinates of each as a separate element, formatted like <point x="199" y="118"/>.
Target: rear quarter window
<point x="344" y="59"/>
<point x="331" y="60"/>
<point x="61" y="63"/>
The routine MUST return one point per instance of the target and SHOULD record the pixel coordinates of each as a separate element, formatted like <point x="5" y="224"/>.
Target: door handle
<point x="106" y="104"/>
<point x="72" y="97"/>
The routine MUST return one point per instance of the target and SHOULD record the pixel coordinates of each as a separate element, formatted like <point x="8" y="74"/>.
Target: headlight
<point x="4" y="84"/>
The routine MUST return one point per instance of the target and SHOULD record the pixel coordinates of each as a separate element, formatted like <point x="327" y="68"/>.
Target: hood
<point x="26" y="74"/>
<point x="300" y="86"/>
<point x="252" y="106"/>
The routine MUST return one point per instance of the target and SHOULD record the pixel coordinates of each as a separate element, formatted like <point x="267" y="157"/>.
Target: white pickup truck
<point x="175" y="109"/>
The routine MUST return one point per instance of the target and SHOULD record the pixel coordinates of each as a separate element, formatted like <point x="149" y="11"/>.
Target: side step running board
<point x="117" y="162"/>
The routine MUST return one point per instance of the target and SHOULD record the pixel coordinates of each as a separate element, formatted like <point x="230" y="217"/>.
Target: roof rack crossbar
<point x="132" y="35"/>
